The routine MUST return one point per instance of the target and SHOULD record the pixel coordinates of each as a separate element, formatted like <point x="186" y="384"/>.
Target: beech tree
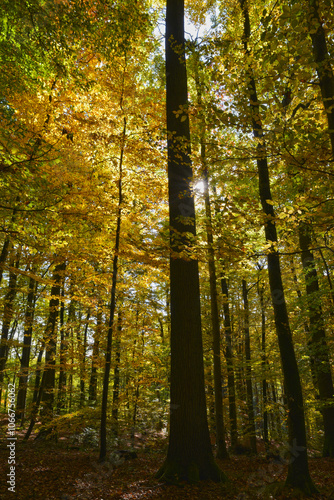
<point x="189" y="451"/>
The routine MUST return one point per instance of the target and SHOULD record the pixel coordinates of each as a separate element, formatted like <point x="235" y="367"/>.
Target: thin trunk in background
<point x="50" y="338"/>
<point x="115" y="396"/>
<point x="83" y="362"/>
<point x="229" y="363"/>
<point x="25" y="358"/>
<point x="323" y="66"/>
<point x="92" y="391"/>
<point x="298" y="470"/>
<point x="62" y="357"/>
<point x="215" y="318"/>
<point x="251" y="433"/>
<point x="8" y="313"/>
<point x="317" y="344"/>
<point x="103" y="426"/>
<point x="264" y="363"/>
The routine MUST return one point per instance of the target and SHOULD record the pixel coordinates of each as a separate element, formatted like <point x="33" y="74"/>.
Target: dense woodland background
<point x="85" y="236"/>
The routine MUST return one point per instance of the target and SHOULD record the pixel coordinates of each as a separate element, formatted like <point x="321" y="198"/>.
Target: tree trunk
<point x="103" y="426"/>
<point x="7" y="243"/>
<point x="35" y="408"/>
<point x="51" y="342"/>
<point x="330" y="284"/>
<point x="229" y="363"/>
<point x="62" y="357"/>
<point x="306" y="330"/>
<point x="25" y="359"/>
<point x="215" y="319"/>
<point x="8" y="313"/>
<point x="38" y="373"/>
<point x="323" y="65"/>
<point x="249" y="387"/>
<point x="92" y="391"/>
<point x="3" y="255"/>
<point x="189" y="452"/>
<point x="264" y="363"/>
<point x="115" y="397"/>
<point x="298" y="471"/>
<point x="82" y="347"/>
<point x="317" y="342"/>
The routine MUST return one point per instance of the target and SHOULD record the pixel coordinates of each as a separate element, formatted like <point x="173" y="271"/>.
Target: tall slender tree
<point x="215" y="317"/>
<point x="319" y="352"/>
<point x="249" y="385"/>
<point x="298" y="471"/>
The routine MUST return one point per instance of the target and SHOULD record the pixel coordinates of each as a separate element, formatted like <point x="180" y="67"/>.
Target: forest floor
<point x="46" y="470"/>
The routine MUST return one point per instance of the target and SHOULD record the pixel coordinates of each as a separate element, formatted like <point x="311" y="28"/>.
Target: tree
<point x="189" y="453"/>
<point x="319" y="353"/>
<point x="298" y="473"/>
<point x="215" y="319"/>
<point x="323" y="64"/>
<point x="25" y="358"/>
<point x="249" y="385"/>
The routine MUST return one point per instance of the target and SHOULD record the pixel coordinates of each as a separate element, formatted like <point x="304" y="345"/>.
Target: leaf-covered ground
<point x="49" y="471"/>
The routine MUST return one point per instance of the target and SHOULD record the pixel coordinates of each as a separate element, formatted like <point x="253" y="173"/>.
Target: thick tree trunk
<point x="317" y="342"/>
<point x="25" y="358"/>
<point x="298" y="471"/>
<point x="189" y="452"/>
<point x="251" y="433"/>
